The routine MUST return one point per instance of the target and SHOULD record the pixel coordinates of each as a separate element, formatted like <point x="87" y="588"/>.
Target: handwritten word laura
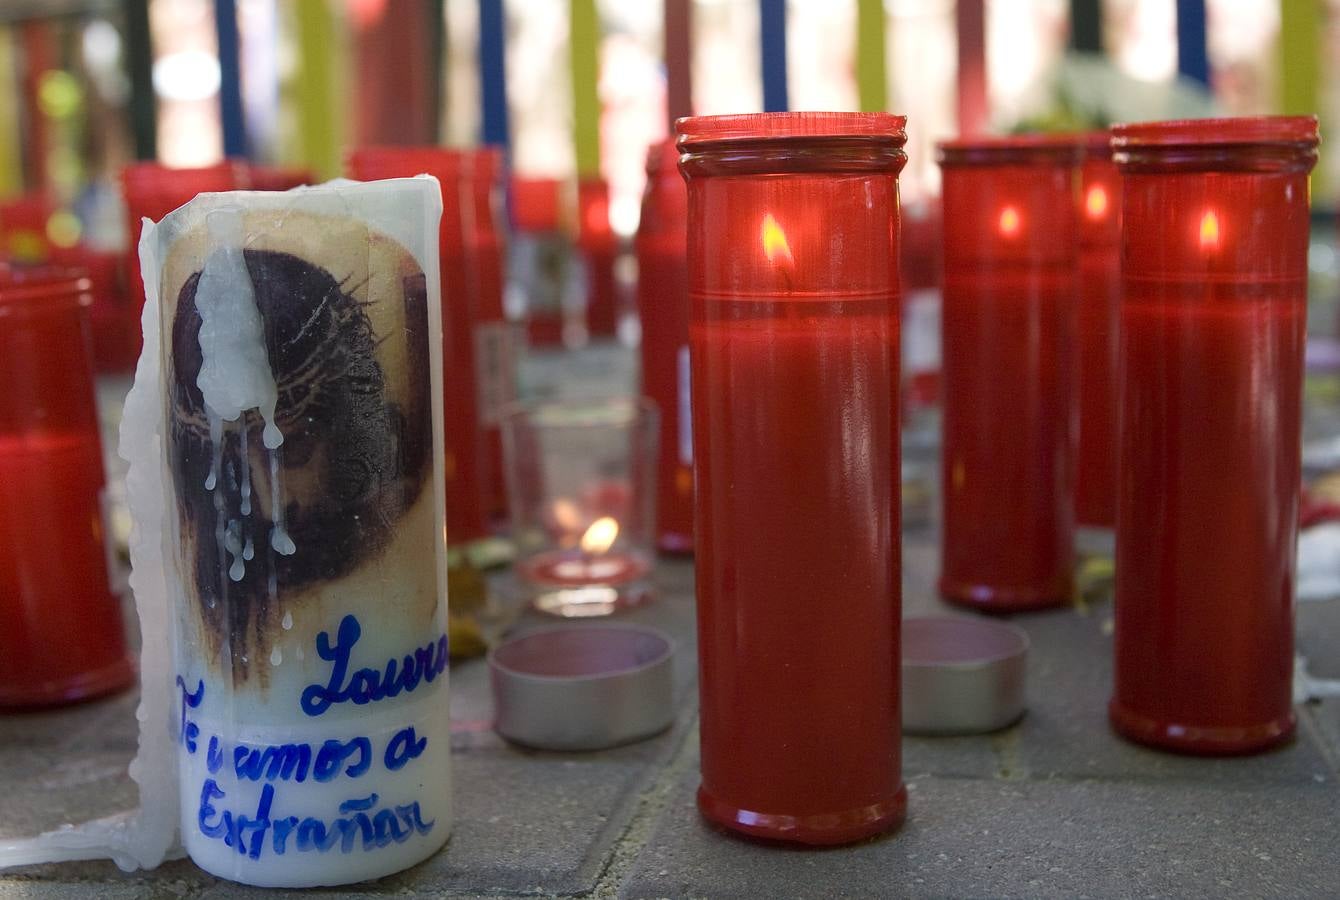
<point x="368" y="685"/>
<point x="247" y="834"/>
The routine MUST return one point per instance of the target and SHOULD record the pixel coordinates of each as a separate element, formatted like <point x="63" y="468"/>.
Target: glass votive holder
<point x="581" y="479"/>
<point x="63" y="638"/>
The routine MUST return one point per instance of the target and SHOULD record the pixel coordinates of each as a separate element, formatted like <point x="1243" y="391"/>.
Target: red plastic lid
<point x="1301" y="130"/>
<point x="535" y="204"/>
<point x="25" y="289"/>
<point x="146" y="177"/>
<point x="404" y="162"/>
<point x="769" y="125"/>
<point x="1096" y="144"/>
<point x="1051" y="149"/>
<point x="278" y="178"/>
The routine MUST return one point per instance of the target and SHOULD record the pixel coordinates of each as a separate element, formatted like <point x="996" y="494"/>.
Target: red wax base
<point x="1200" y="740"/>
<point x="85" y="686"/>
<point x="1002" y="600"/>
<point x="825" y="829"/>
<point x="569" y="569"/>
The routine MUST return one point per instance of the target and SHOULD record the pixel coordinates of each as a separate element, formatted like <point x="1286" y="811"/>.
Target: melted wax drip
<point x="235" y="376"/>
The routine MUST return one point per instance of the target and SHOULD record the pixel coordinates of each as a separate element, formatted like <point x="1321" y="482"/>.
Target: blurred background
<point x="87" y="86"/>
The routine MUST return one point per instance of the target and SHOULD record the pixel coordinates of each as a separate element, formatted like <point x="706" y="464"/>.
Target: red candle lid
<point x="401" y="162"/>
<point x="37" y="289"/>
<point x="1300" y="130"/>
<point x="766" y="126"/>
<point x="1012" y="149"/>
<point x="1096" y="144"/>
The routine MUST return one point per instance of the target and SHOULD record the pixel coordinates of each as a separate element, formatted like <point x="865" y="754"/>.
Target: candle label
<point x="495" y="361"/>
<point x="315" y="785"/>
<point x="685" y="410"/>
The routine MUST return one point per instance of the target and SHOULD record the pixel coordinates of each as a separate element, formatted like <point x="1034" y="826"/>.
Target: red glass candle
<point x="63" y="637"/>
<point x="1215" y="235"/>
<point x="599" y="248"/>
<point x="793" y="293"/>
<point x="152" y="191"/>
<point x="464" y="460"/>
<point x="497" y="342"/>
<point x="277" y="178"/>
<point x="1096" y="367"/>
<point x="663" y="305"/>
<point x="1009" y="326"/>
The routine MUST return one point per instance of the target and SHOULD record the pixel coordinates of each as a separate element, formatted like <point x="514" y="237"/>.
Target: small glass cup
<point x="581" y="479"/>
<point x="63" y="638"/>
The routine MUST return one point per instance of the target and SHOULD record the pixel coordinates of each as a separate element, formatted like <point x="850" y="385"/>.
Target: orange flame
<point x="1095" y="202"/>
<point x="1009" y="221"/>
<point x="774" y="241"/>
<point x="600" y="536"/>
<point x="1209" y="230"/>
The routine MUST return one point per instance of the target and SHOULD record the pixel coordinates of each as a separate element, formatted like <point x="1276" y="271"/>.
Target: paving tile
<point x="972" y="837"/>
<point x="1066" y="733"/>
<point x="531" y="822"/>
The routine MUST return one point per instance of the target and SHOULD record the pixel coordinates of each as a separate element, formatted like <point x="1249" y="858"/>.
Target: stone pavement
<point x="1055" y="806"/>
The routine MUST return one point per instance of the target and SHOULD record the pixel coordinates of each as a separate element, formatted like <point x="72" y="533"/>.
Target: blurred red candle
<point x="793" y="290"/>
<point x="63" y="637"/>
<point x="663" y="306"/>
<point x="1215" y="234"/>
<point x="1010" y="286"/>
<point x="1096" y="369"/>
<point x="497" y="341"/>
<point x="599" y="248"/>
<point x="464" y="443"/>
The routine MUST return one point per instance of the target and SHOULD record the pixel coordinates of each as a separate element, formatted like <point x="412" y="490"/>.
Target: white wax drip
<point x="276" y="656"/>
<point x="235" y="370"/>
<point x="235" y="376"/>
<point x="233" y="544"/>
<point x="246" y="478"/>
<point x="287" y="622"/>
<point x="146" y="836"/>
<point x="280" y="541"/>
<point x="216" y="443"/>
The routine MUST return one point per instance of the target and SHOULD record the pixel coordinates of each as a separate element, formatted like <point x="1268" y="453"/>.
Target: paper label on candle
<point x="685" y="410"/>
<point x="495" y="361"/>
<point x="321" y="785"/>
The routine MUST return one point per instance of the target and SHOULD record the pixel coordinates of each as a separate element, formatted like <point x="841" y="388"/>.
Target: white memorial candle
<point x="285" y="439"/>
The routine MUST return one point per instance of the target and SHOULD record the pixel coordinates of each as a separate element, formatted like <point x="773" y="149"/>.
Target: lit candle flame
<point x="1095" y="202"/>
<point x="774" y="241"/>
<point x="1209" y="230"/>
<point x="1009" y="221"/>
<point x="600" y="536"/>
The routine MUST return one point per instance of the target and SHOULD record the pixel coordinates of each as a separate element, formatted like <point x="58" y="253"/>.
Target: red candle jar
<point x="663" y="306"/>
<point x="497" y="342"/>
<point x="63" y="637"/>
<point x="464" y="460"/>
<point x="278" y="178"/>
<point x="1096" y="367"/>
<point x="793" y="294"/>
<point x="151" y="191"/>
<point x="116" y="331"/>
<point x="1010" y="286"/>
<point x="599" y="249"/>
<point x="1214" y="235"/>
